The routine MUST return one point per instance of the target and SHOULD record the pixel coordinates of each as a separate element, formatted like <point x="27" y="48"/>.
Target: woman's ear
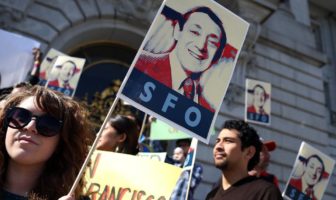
<point x="122" y="137"/>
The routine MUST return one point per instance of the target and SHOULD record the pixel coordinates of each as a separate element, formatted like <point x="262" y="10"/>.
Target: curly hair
<point x="64" y="165"/>
<point x="248" y="137"/>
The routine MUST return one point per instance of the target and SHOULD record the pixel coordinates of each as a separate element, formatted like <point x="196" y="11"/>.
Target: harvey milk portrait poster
<point x="310" y="175"/>
<point x="258" y="102"/>
<point x="184" y="65"/>
<point x="65" y="74"/>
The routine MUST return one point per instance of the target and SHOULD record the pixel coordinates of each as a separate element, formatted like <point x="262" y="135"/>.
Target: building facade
<point x="291" y="44"/>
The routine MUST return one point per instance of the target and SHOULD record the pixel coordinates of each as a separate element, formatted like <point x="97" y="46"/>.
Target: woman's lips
<point x="26" y="140"/>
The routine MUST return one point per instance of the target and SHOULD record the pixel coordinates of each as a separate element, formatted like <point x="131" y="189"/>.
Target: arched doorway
<point x="105" y="68"/>
<point x="104" y="64"/>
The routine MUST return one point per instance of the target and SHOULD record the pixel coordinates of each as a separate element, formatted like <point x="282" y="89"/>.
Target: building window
<point x="316" y="29"/>
<point x="328" y="105"/>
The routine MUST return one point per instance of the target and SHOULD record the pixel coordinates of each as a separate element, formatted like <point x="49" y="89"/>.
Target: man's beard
<point x="223" y="165"/>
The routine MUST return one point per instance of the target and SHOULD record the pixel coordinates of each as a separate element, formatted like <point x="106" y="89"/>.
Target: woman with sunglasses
<point x="43" y="143"/>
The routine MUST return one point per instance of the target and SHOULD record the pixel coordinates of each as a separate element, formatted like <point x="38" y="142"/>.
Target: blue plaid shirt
<point x="180" y="190"/>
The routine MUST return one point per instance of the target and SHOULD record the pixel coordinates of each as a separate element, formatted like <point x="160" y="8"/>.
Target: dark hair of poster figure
<point x="251" y="91"/>
<point x="71" y="62"/>
<point x="306" y="160"/>
<point x="175" y="16"/>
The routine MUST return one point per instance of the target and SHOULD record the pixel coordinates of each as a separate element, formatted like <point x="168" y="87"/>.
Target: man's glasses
<point x="46" y="125"/>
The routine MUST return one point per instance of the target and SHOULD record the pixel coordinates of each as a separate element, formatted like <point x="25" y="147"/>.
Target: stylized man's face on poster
<point x="259" y="97"/>
<point x="313" y="171"/>
<point x="198" y="42"/>
<point x="67" y="71"/>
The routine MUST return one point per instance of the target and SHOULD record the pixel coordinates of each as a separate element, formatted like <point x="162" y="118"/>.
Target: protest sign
<point x="118" y="176"/>
<point x="47" y="64"/>
<point x="65" y="73"/>
<point x="258" y="102"/>
<point x="16" y="57"/>
<point x="153" y="155"/>
<point x="161" y="131"/>
<point x="183" y="68"/>
<point x="310" y="175"/>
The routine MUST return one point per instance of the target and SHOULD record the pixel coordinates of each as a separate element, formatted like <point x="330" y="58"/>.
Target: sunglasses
<point x="46" y="125"/>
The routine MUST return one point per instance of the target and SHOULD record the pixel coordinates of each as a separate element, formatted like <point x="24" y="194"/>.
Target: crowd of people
<point x="46" y="135"/>
<point x="45" y="139"/>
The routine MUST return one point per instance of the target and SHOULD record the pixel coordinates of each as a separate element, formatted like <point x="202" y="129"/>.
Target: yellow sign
<point x="114" y="176"/>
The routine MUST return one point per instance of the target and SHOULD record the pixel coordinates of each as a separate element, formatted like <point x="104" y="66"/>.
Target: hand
<point x="36" y="65"/>
<point x="37" y="54"/>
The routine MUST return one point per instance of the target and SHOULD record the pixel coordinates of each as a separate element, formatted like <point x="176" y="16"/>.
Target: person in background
<point x="236" y="152"/>
<point x="120" y="135"/>
<point x="181" y="189"/>
<point x="20" y="87"/>
<point x="43" y="143"/>
<point x="179" y="157"/>
<point x="184" y="144"/>
<point x="260" y="170"/>
<point x="17" y="88"/>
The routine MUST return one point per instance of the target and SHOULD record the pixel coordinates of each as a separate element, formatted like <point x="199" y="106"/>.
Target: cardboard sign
<point x="16" y="54"/>
<point x="258" y="102"/>
<point x="65" y="73"/>
<point x="153" y="156"/>
<point x="162" y="131"/>
<point x="183" y="68"/>
<point x="47" y="64"/>
<point x="310" y="175"/>
<point x="118" y="176"/>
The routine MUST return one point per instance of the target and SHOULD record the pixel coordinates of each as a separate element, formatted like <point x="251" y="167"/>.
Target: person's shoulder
<point x="267" y="187"/>
<point x="257" y="183"/>
<point x="8" y="195"/>
<point x="260" y="181"/>
<point x="212" y="193"/>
